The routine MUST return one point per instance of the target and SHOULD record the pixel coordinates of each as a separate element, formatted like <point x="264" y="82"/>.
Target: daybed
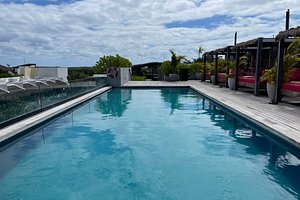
<point x="249" y="81"/>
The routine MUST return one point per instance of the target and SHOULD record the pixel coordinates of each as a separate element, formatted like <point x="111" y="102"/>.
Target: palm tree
<point x="175" y="60"/>
<point x="200" y="51"/>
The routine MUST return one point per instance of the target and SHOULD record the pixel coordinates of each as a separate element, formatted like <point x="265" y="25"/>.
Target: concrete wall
<point x="124" y="75"/>
<point x="30" y="72"/>
<point x="41" y="72"/>
<point x="47" y="72"/>
<point x="63" y="73"/>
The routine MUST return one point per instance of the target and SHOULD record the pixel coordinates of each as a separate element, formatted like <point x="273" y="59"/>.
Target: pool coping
<point x="15" y="130"/>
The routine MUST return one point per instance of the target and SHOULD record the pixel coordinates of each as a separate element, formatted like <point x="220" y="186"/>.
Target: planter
<point x="231" y="83"/>
<point x="271" y="91"/>
<point x="192" y="77"/>
<point x="212" y="78"/>
<point x="199" y="76"/>
<point x="166" y="78"/>
<point x="173" y="77"/>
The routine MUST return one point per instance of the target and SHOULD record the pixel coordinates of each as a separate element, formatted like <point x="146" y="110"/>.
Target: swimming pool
<point x="147" y="144"/>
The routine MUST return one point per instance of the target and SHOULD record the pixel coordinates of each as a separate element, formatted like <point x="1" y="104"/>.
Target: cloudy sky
<point x="77" y="33"/>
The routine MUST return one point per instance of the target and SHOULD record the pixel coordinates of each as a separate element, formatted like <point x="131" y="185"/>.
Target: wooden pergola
<point x="227" y="51"/>
<point x="289" y="34"/>
<point x="257" y="45"/>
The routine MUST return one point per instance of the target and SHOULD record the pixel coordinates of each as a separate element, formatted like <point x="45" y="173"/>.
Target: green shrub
<point x="165" y="67"/>
<point x="106" y="62"/>
<point x="138" y="78"/>
<point x="4" y="75"/>
<point x="76" y="73"/>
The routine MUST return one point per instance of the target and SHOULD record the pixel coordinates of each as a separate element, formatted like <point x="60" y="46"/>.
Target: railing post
<point x="40" y="97"/>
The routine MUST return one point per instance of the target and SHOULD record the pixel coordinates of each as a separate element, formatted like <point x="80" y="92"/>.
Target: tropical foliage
<point x="106" y="62"/>
<point x="175" y="60"/>
<point x="165" y="67"/>
<point x="138" y="78"/>
<point x="290" y="60"/>
<point x="76" y="73"/>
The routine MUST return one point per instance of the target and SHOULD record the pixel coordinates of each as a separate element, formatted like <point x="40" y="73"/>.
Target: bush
<point x="106" y="62"/>
<point x="165" y="67"/>
<point x="138" y="78"/>
<point x="4" y="75"/>
<point x="76" y="73"/>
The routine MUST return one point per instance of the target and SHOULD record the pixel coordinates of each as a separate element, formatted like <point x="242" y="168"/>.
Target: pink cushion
<point x="247" y="79"/>
<point x="295" y="87"/>
<point x="221" y="76"/>
<point x="295" y="75"/>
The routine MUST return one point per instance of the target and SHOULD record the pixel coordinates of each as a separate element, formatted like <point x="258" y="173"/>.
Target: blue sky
<point x="207" y="23"/>
<point x="77" y="33"/>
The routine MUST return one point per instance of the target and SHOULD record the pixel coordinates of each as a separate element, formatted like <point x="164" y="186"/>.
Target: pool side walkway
<point x="281" y="119"/>
<point x="30" y="122"/>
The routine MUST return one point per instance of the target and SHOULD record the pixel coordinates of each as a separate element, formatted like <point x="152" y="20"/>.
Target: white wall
<point x="57" y="72"/>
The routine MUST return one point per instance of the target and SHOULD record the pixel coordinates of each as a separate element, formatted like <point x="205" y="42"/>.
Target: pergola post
<point x="258" y="65"/>
<point x="236" y="69"/>
<point x="204" y="68"/>
<point x="216" y="68"/>
<point x="271" y="57"/>
<point x="279" y="71"/>
<point x="227" y="65"/>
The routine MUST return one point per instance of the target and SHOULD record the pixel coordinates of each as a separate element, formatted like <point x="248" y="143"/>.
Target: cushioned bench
<point x="291" y="89"/>
<point x="249" y="81"/>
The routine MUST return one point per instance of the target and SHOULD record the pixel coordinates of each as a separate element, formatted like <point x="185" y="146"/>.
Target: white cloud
<point x="78" y="33"/>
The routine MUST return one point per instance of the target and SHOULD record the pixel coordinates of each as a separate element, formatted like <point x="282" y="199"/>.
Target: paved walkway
<point x="282" y="119"/>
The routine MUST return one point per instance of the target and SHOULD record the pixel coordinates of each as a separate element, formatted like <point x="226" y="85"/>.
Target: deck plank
<point x="282" y="118"/>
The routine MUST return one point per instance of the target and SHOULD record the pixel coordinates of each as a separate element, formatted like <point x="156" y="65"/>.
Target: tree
<point x="200" y="51"/>
<point x="175" y="60"/>
<point x="165" y="67"/>
<point x="106" y="62"/>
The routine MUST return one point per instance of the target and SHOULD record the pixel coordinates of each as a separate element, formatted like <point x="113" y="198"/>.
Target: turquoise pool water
<point x="147" y="144"/>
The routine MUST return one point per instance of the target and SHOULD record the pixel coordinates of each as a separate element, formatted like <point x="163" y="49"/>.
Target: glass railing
<point x="19" y="101"/>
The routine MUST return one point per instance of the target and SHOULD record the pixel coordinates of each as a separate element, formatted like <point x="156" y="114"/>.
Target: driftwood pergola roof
<point x="292" y="32"/>
<point x="252" y="44"/>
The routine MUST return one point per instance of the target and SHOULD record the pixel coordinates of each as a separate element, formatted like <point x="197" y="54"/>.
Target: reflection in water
<point x="172" y="96"/>
<point x="281" y="162"/>
<point x="115" y="102"/>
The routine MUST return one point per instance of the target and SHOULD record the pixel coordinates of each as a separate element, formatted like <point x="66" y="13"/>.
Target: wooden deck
<point x="281" y="119"/>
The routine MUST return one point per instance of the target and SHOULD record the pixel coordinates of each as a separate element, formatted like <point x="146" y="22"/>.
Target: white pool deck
<point x="283" y="119"/>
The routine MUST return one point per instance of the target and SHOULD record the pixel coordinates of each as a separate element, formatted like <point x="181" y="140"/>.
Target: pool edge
<point x="9" y="133"/>
<point x="252" y="121"/>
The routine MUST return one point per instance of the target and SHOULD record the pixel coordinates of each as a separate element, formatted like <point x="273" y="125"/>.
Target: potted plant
<point x="270" y="76"/>
<point x="290" y="60"/>
<point x="230" y="76"/>
<point x="165" y="69"/>
<point x="196" y="71"/>
<point x="175" y="60"/>
<point x="212" y="74"/>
